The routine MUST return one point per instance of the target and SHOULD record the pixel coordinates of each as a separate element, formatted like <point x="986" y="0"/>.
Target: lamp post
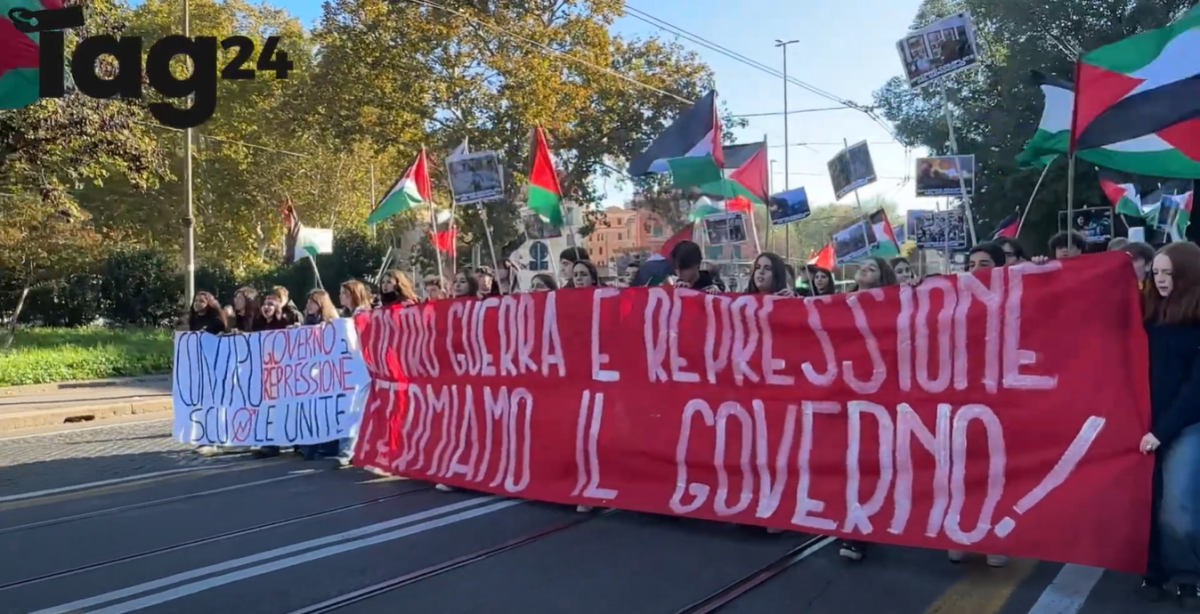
<point x="787" y="167"/>
<point x="189" y="222"/>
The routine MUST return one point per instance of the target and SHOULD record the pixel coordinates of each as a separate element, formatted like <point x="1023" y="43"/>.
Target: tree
<point x="997" y="106"/>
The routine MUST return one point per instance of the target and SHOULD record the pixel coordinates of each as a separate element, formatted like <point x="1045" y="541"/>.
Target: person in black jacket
<point x="206" y="315"/>
<point x="1172" y="312"/>
<point x="288" y="309"/>
<point x="687" y="259"/>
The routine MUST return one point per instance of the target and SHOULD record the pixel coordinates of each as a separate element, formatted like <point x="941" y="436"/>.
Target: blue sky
<point x="847" y="48"/>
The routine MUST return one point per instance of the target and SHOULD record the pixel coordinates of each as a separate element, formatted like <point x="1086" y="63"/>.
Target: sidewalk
<point x="25" y="407"/>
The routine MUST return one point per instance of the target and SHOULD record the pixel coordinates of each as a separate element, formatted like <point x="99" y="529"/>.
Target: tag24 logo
<point x="125" y="81"/>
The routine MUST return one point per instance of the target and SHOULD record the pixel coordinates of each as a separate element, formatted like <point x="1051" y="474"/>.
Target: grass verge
<point x="48" y="355"/>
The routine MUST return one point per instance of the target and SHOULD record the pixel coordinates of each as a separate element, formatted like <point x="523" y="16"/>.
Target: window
<point x="620" y="237"/>
<point x="712" y="252"/>
<point x="658" y="231"/>
<point x="737" y="252"/>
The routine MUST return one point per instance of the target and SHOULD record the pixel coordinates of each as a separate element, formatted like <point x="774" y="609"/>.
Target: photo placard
<point x="938" y="176"/>
<point x="475" y="177"/>
<point x="938" y="50"/>
<point x="851" y="169"/>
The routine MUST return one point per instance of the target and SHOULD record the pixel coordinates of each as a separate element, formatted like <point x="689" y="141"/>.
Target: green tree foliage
<point x="997" y="107"/>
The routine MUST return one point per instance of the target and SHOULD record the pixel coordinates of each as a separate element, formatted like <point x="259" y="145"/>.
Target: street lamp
<point x="786" y="143"/>
<point x="189" y="222"/>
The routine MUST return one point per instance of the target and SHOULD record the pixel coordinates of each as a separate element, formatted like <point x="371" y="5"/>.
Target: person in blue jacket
<point x="1172" y="313"/>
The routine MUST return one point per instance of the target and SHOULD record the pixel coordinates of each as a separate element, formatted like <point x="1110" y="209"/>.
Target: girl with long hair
<point x="246" y="310"/>
<point x="904" y="271"/>
<point x="465" y="285"/>
<point x="396" y="289"/>
<point x="543" y="282"/>
<point x="274" y="317"/>
<point x="1172" y="313"/>
<point x="319" y="309"/>
<point x="354" y="297"/>
<point x="822" y="281"/>
<point x="206" y="315"/>
<point x="769" y="276"/>
<point x="584" y="275"/>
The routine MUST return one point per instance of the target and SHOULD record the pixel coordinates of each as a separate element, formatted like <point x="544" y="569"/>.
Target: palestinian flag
<point x="545" y="195"/>
<point x="19" y="62"/>
<point x="312" y="241"/>
<point x="1008" y="227"/>
<point x="690" y="148"/>
<point x="702" y="208"/>
<point x="886" y="246"/>
<point x="1053" y="136"/>
<point x="443" y="235"/>
<point x="1137" y="107"/>
<point x="826" y="259"/>
<point x="1126" y="197"/>
<point x="410" y="190"/>
<point x="1179" y="203"/>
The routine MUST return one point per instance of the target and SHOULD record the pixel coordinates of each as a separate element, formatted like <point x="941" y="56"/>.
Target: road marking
<point x="984" y="590"/>
<point x="196" y="587"/>
<point x="55" y="491"/>
<point x="1069" y="590"/>
<point x="141" y="504"/>
<point x="88" y="428"/>
<point x="311" y="544"/>
<point x="84" y="491"/>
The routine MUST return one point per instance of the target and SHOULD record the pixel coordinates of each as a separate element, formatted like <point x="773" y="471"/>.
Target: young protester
<point x="769" y="276"/>
<point x="822" y="282"/>
<point x="1062" y="248"/>
<point x="566" y="263"/>
<point x="206" y="315"/>
<point x="1172" y="314"/>
<point x="486" y="279"/>
<point x="904" y="271"/>
<point x="1014" y="252"/>
<point x="874" y="273"/>
<point x="985" y="256"/>
<point x="506" y="278"/>
<point x="1143" y="258"/>
<point x="435" y="288"/>
<point x="319" y="309"/>
<point x="396" y="289"/>
<point x="274" y="316"/>
<point x="630" y="273"/>
<point x="287" y="309"/>
<point x="245" y="310"/>
<point x="687" y="259"/>
<point x="354" y="297"/>
<point x="465" y="285"/>
<point x="1117" y="243"/>
<point x="543" y="282"/>
<point x="584" y="275"/>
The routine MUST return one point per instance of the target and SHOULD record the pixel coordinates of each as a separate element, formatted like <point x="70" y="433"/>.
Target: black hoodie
<point x="210" y="322"/>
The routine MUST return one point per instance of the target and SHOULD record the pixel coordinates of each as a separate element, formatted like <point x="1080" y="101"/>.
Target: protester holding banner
<point x="566" y="263"/>
<point x="1063" y="249"/>
<point x="875" y="272"/>
<point x="354" y="297"/>
<point x="822" y="281"/>
<point x="769" y="276"/>
<point x="985" y="256"/>
<point x="206" y="315"/>
<point x="486" y="278"/>
<point x="1014" y="252"/>
<point x="543" y="282"/>
<point x="319" y="308"/>
<point x="396" y="289"/>
<point x="288" y="309"/>
<point x="904" y="271"/>
<point x="245" y="310"/>
<point x="688" y="261"/>
<point x="1143" y="258"/>
<point x="465" y="285"/>
<point x="584" y="275"/>
<point x="1172" y="312"/>
<point x="435" y="288"/>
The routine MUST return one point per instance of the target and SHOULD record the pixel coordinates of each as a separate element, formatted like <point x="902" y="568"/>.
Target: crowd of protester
<point x="1169" y="279"/>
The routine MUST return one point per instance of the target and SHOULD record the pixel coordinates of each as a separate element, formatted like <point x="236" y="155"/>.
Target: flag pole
<point x="1070" y="199"/>
<point x="1028" y="205"/>
<point x="487" y="230"/>
<point x="962" y="182"/>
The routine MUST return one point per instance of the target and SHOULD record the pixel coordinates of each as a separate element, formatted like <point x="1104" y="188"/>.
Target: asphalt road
<point x="121" y="519"/>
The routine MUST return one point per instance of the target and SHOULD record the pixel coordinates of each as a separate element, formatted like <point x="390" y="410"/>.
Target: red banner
<point x="998" y="413"/>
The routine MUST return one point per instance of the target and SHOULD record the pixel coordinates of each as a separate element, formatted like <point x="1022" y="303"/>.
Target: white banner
<point x="300" y="385"/>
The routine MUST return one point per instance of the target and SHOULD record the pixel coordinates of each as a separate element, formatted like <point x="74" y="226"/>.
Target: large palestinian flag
<point x="19" y="54"/>
<point x="412" y="189"/>
<point x="545" y="194"/>
<point x="1137" y="103"/>
<point x="690" y="148"/>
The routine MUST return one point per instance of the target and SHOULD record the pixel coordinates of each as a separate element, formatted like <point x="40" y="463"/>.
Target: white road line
<point x="237" y="576"/>
<point x="134" y="506"/>
<point x="68" y="431"/>
<point x="1069" y="590"/>
<point x="132" y="478"/>
<point x="186" y="576"/>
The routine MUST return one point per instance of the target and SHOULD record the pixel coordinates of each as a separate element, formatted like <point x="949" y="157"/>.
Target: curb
<point x="32" y="389"/>
<point x="85" y="413"/>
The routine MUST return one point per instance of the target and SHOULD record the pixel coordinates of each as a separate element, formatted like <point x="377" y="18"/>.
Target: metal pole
<point x="189" y="221"/>
<point x="1028" y="205"/>
<point x="962" y="182"/>
<point x="373" y="200"/>
<point x="787" y="167"/>
<point x="1070" y="199"/>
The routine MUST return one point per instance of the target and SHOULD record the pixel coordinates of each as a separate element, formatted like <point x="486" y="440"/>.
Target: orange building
<point x="625" y="233"/>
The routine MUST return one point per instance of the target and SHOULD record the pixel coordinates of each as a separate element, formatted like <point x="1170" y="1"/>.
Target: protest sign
<point x="854" y="242"/>
<point x="725" y="228"/>
<point x="937" y="229"/>
<point x="938" y="176"/>
<point x="475" y="177"/>
<point x="959" y="414"/>
<point x="1094" y="223"/>
<point x="283" y="387"/>
<point x="788" y="207"/>
<point x="939" y="49"/>
<point x="851" y="169"/>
